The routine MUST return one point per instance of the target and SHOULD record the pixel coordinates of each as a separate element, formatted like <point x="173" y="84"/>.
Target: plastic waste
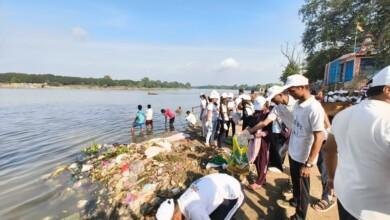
<point x="177" y="137"/>
<point x="120" y="158"/>
<point x="86" y="168"/>
<point x="239" y="156"/>
<point x="153" y="151"/>
<point x="137" y="167"/>
<point x="166" y="145"/>
<point x="73" y="166"/>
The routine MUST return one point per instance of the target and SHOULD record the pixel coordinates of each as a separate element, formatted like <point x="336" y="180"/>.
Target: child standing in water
<point x="149" y="117"/>
<point x="139" y="120"/>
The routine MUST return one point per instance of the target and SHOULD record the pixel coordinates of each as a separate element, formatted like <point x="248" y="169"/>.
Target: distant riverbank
<point x="46" y="86"/>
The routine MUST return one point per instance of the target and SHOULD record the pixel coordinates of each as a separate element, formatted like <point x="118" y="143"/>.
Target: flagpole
<point x="354" y="45"/>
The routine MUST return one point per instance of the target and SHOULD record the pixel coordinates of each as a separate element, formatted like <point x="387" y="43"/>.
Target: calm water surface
<point x="41" y="129"/>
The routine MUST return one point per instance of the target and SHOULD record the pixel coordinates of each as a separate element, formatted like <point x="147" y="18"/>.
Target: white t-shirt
<point x="224" y="112"/>
<point x="203" y="103"/>
<point x="250" y="109"/>
<point x="232" y="108"/>
<point x="308" y="117"/>
<point x="284" y="112"/>
<point x="149" y="114"/>
<point x="212" y="107"/>
<point x="191" y="119"/>
<point x="362" y="180"/>
<point x="276" y="129"/>
<point x="207" y="193"/>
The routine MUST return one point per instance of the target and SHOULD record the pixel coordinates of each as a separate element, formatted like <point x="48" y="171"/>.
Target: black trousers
<point x="277" y="151"/>
<point x="301" y="189"/>
<point x="344" y="214"/>
<point x="232" y="125"/>
<point x="223" y="210"/>
<point x="171" y="121"/>
<point x="222" y="133"/>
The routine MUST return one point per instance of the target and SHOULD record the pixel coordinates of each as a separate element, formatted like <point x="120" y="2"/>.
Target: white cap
<point x="214" y="95"/>
<point x="259" y="103"/>
<point x="296" y="80"/>
<point x="230" y="95"/>
<point x="224" y="95"/>
<point x="382" y="78"/>
<point x="245" y="97"/>
<point x="166" y="210"/>
<point x="330" y="93"/>
<point x="273" y="91"/>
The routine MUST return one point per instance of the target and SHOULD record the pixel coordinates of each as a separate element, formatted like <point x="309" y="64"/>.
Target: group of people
<point x="344" y="96"/>
<point x="145" y="119"/>
<point x="352" y="153"/>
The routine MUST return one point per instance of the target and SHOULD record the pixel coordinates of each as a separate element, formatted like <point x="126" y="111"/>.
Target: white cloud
<point x="79" y="33"/>
<point x="229" y="64"/>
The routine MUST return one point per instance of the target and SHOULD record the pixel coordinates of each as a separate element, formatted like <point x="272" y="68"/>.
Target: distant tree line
<point x="106" y="81"/>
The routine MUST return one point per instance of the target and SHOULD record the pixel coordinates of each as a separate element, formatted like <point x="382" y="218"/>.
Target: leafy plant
<point x="92" y="150"/>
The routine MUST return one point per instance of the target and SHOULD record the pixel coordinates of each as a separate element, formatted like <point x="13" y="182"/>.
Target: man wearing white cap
<point x="307" y="136"/>
<point x="215" y="196"/>
<point x="358" y="154"/>
<point x="283" y="112"/>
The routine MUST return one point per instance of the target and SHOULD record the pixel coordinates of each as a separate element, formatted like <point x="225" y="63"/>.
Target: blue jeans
<point x="211" y="131"/>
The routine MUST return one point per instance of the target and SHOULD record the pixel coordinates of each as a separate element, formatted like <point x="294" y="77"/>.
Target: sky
<point x="218" y="42"/>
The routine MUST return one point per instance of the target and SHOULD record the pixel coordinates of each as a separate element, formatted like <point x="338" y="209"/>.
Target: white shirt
<point x="203" y="103"/>
<point x="250" y="109"/>
<point x="362" y="180"/>
<point x="225" y="112"/>
<point x="276" y="129"/>
<point x="212" y="107"/>
<point x="149" y="114"/>
<point x="191" y="119"/>
<point x="232" y="108"/>
<point x="207" y="193"/>
<point x="308" y="117"/>
<point x="284" y="112"/>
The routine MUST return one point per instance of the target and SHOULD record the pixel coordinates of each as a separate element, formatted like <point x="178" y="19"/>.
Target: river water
<point x="41" y="129"/>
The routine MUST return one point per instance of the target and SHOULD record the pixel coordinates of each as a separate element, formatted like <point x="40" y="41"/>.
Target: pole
<point x="354" y="45"/>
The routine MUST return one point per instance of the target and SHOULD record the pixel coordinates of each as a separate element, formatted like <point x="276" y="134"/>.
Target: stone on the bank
<point x="81" y="203"/>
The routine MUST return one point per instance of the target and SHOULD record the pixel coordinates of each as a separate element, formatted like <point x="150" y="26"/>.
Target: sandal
<point x="323" y="205"/>
<point x="254" y="186"/>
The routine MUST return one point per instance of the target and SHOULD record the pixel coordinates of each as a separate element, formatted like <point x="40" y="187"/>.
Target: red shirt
<point x="169" y="113"/>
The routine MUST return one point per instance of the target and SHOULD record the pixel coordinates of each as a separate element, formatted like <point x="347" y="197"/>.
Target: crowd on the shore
<point x="351" y="152"/>
<point x="292" y="119"/>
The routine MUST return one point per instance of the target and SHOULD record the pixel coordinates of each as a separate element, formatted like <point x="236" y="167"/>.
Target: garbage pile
<point x="136" y="178"/>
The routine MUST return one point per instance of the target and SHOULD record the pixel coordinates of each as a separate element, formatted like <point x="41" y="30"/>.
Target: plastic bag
<point x="238" y="157"/>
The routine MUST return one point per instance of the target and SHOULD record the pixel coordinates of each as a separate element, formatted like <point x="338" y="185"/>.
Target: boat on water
<point x="152" y="93"/>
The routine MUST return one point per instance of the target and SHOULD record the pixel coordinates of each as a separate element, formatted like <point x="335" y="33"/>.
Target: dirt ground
<point x="261" y="204"/>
